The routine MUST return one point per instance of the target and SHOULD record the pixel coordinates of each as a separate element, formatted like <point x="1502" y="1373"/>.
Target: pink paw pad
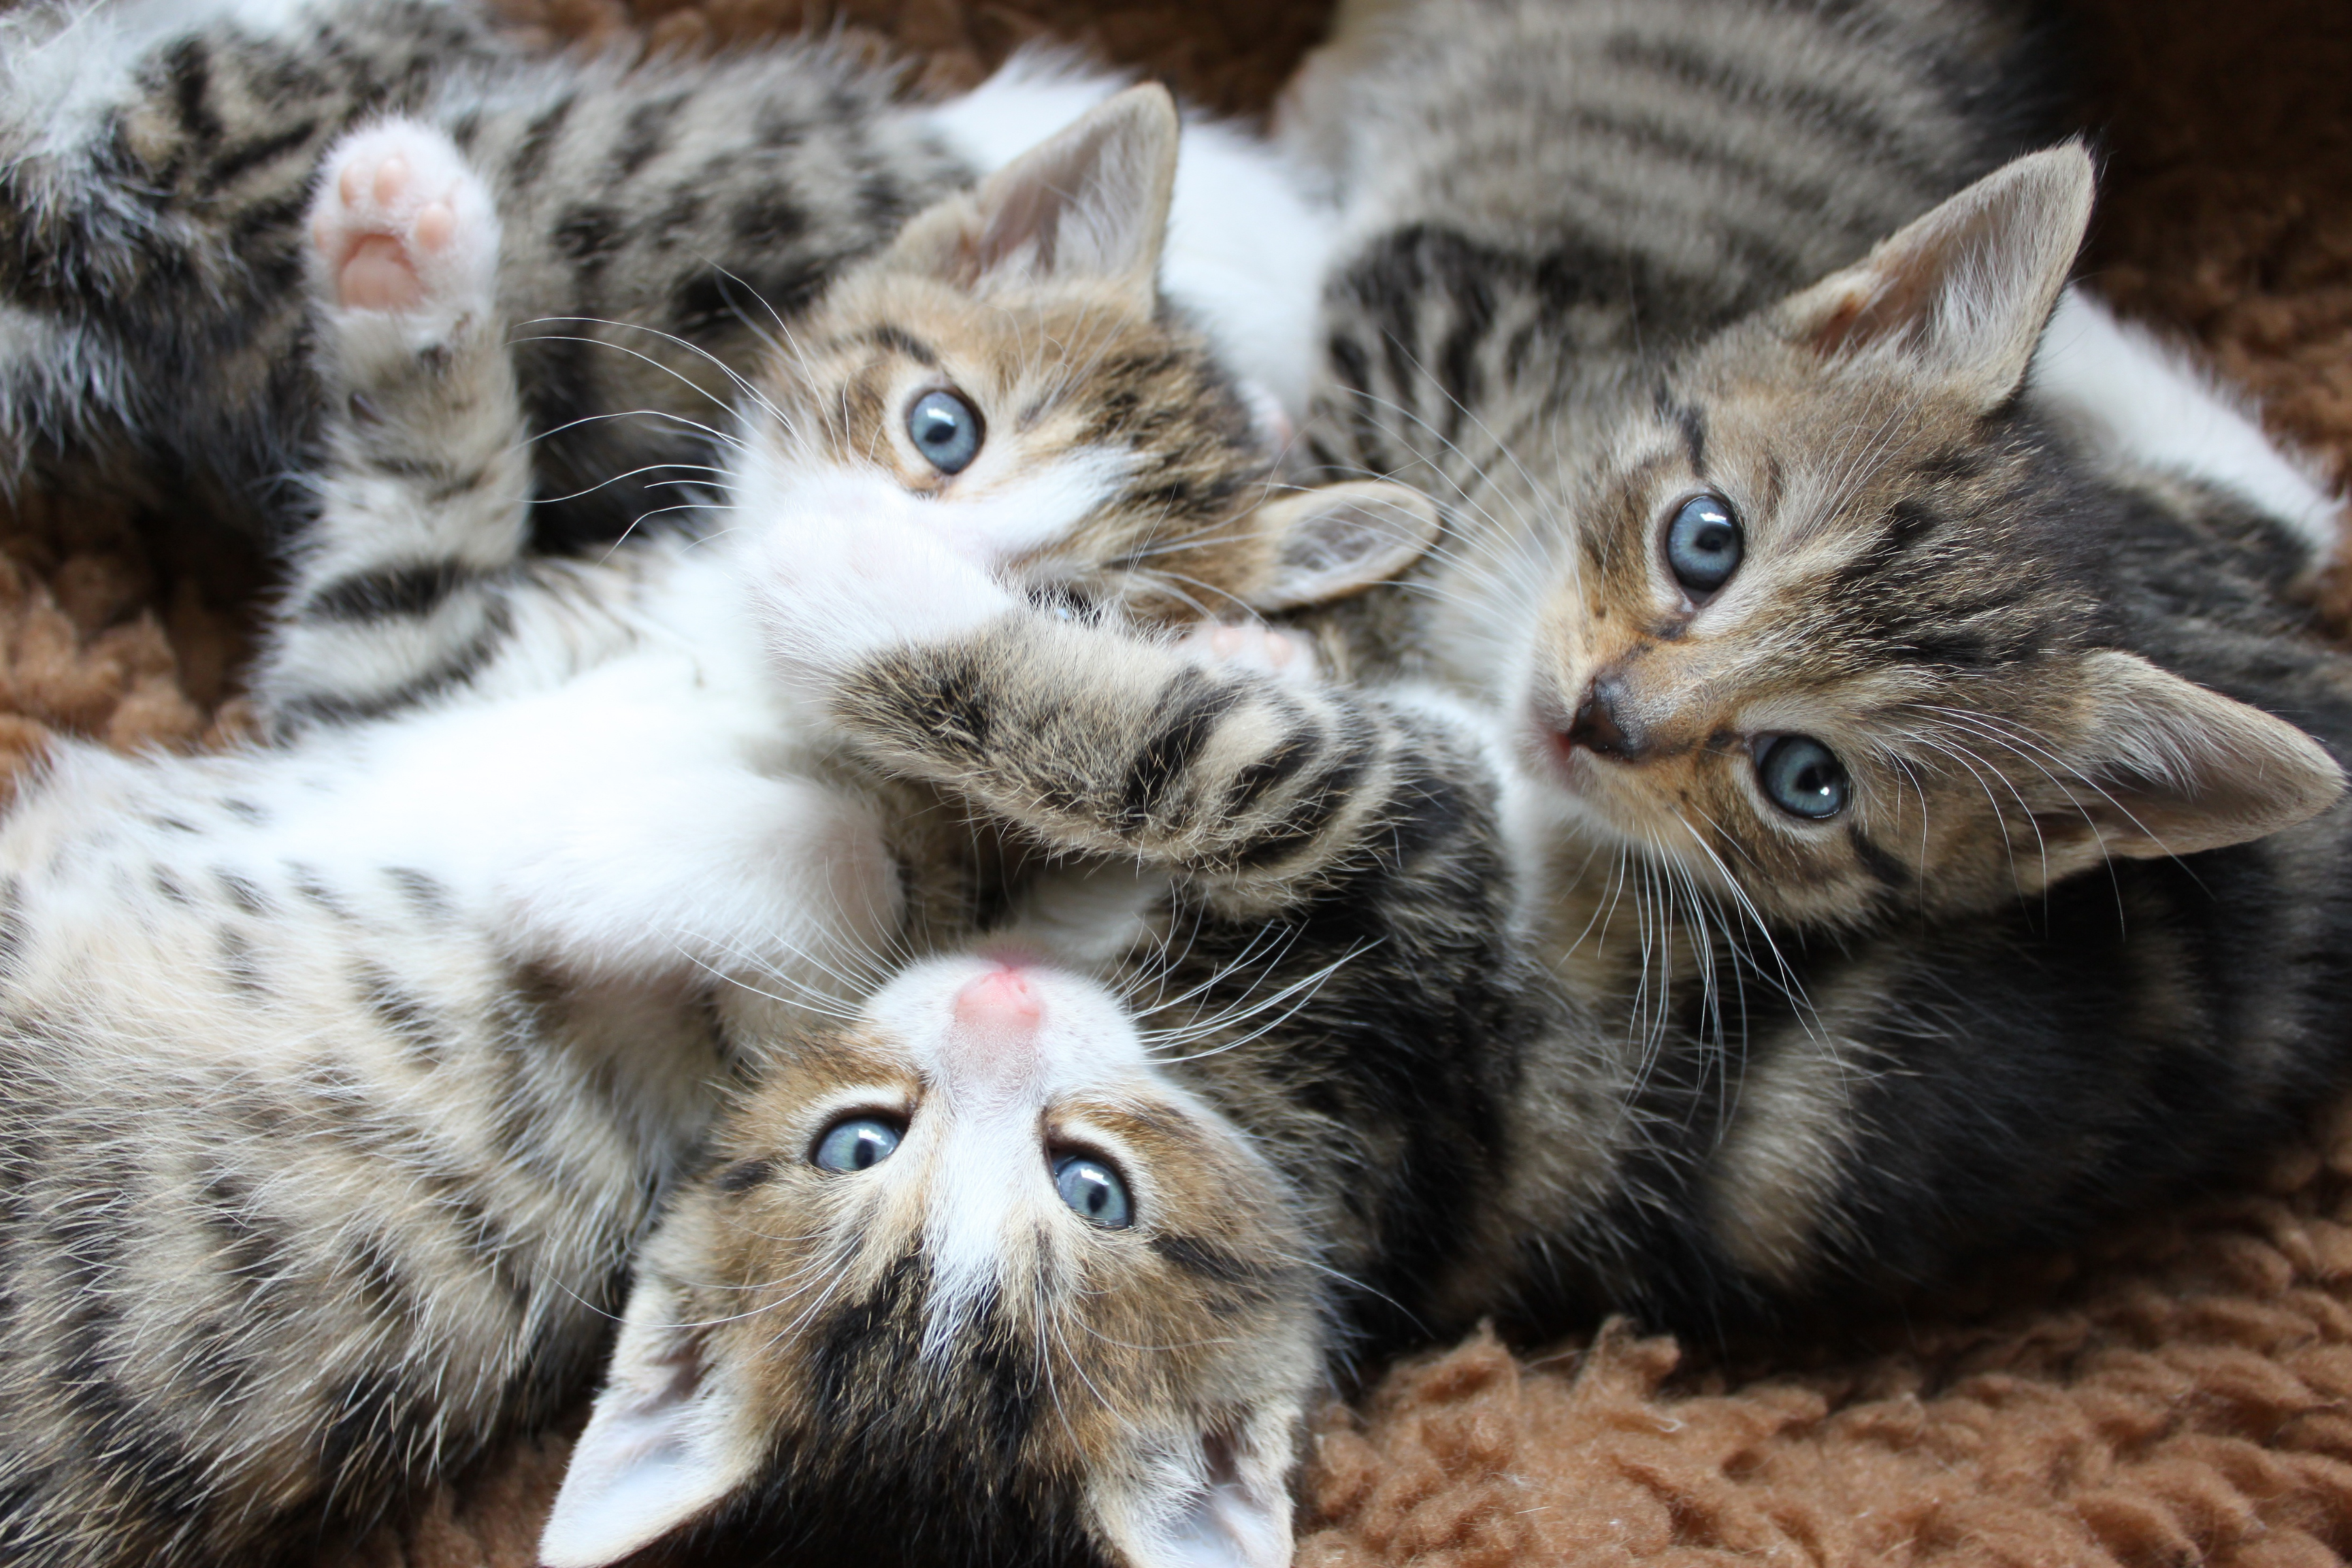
<point x="1254" y="647"/>
<point x="400" y="224"/>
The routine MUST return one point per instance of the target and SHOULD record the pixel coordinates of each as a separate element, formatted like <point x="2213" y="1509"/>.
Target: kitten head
<point x="1832" y="625"/>
<point x="1007" y="375"/>
<point x="967" y="1281"/>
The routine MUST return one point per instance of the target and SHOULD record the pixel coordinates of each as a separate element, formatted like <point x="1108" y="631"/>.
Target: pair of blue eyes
<point x="1705" y="545"/>
<point x="946" y="429"/>
<point x="1090" y="1187"/>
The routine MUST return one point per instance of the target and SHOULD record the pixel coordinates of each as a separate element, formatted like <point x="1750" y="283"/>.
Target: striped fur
<point x="664" y="217"/>
<point x="342" y="1074"/>
<point x="2052" y="646"/>
<point x="1848" y="1086"/>
<point x="155" y="163"/>
<point x="1312" y="949"/>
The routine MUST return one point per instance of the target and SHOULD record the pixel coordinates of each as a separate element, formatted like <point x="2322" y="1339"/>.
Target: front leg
<point x="399" y="587"/>
<point x="1216" y="760"/>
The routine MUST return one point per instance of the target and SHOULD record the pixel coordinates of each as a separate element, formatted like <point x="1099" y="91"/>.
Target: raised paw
<point x="1283" y="655"/>
<point x="400" y="223"/>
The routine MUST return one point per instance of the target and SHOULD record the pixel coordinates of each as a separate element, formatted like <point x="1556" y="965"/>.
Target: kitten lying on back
<point x="1049" y="1243"/>
<point x="154" y="158"/>
<point x="340" y="1075"/>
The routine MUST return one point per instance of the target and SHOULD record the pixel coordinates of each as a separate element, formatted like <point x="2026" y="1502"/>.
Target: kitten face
<point x="1006" y="378"/>
<point x="1824" y="630"/>
<point x="975" y="1256"/>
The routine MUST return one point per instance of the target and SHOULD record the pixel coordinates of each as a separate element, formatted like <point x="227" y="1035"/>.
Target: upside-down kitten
<point x="337" y="1077"/>
<point x="659" y="216"/>
<point x="1932" y="768"/>
<point x="1042" y="1251"/>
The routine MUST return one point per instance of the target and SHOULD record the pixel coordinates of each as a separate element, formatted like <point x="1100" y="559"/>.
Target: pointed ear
<point x="1341" y="540"/>
<point x="1965" y="292"/>
<point x="1229" y="1510"/>
<point x="661" y="1450"/>
<point x="1090" y="201"/>
<point x="2175" y="768"/>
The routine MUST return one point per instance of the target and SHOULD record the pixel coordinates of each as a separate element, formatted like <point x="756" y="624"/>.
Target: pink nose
<point x="1000" y="1000"/>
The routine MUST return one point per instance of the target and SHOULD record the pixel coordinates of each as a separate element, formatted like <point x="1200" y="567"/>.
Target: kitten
<point x="1934" y="774"/>
<point x="343" y="1074"/>
<point x="154" y="161"/>
<point x="1049" y="1243"/>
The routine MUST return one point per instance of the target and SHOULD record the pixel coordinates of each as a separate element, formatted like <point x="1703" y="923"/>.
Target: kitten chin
<point x="975" y="1254"/>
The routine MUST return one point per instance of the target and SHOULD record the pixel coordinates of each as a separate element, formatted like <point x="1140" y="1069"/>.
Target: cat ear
<point x="1090" y="201"/>
<point x="1965" y="291"/>
<point x="2175" y="768"/>
<point x="1341" y="540"/>
<point x="661" y="1449"/>
<point x="1232" y="1511"/>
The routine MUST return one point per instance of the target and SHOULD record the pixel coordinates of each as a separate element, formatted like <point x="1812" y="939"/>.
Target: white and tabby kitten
<point x="342" y="1074"/>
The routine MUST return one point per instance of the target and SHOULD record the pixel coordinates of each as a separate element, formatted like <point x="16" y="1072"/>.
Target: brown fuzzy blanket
<point x="2180" y="1393"/>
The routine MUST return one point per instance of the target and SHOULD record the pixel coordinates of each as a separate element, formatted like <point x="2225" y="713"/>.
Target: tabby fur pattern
<point x="345" y="1072"/>
<point x="2033" y="592"/>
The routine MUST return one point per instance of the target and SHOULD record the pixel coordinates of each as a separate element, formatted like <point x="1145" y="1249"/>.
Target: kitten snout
<point x="1602" y="724"/>
<point x="999" y="1002"/>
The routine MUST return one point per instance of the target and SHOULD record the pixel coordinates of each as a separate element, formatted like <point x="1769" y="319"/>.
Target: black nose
<point x="1597" y="726"/>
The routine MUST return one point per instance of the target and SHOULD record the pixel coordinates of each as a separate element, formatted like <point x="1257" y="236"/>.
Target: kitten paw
<point x="401" y="225"/>
<point x="1285" y="656"/>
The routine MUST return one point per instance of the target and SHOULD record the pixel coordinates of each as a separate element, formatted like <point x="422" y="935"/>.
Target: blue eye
<point x="1803" y="777"/>
<point x="855" y="1144"/>
<point x="1093" y="1190"/>
<point x="1704" y="543"/>
<point x="946" y="430"/>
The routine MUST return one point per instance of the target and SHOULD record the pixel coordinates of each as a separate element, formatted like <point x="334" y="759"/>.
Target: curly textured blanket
<point x="2180" y="1393"/>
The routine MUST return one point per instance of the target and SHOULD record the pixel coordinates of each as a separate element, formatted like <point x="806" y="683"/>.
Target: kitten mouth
<point x="1556" y="751"/>
<point x="1561" y="761"/>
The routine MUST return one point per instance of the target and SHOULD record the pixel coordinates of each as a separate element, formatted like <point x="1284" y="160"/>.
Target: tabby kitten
<point x="1933" y="775"/>
<point x="1048" y="1243"/>
<point x="342" y="1075"/>
<point x="154" y="165"/>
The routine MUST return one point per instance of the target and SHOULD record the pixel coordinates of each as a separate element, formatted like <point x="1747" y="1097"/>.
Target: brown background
<point x="2180" y="1393"/>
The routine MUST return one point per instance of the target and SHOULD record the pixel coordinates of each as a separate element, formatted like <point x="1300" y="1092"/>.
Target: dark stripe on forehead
<point x="898" y="340"/>
<point x="1691" y="421"/>
<point x="190" y="68"/>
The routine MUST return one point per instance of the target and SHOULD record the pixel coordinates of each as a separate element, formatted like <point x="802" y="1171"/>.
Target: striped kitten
<point x="1933" y="769"/>
<point x="156" y="157"/>
<point x="342" y="1075"/>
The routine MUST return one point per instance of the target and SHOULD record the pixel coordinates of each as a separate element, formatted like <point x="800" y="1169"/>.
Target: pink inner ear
<point x="1893" y="299"/>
